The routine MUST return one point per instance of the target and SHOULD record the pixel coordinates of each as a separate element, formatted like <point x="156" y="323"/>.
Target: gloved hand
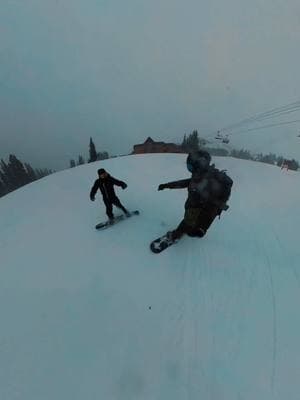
<point x="162" y="186"/>
<point x="221" y="205"/>
<point x="92" y="198"/>
<point x="124" y="186"/>
<point x="224" y="207"/>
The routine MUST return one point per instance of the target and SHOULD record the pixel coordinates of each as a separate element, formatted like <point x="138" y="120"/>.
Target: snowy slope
<point x="95" y="315"/>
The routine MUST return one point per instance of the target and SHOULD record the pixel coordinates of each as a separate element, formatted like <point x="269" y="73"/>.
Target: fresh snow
<point x="89" y="314"/>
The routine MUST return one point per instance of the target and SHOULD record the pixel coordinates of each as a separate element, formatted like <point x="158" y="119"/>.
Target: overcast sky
<point x="120" y="71"/>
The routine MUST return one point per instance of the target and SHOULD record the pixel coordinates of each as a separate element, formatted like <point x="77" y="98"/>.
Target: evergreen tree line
<point x="193" y="142"/>
<point x="14" y="174"/>
<point x="93" y="156"/>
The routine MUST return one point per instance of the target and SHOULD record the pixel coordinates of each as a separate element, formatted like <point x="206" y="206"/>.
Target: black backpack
<point x="225" y="181"/>
<point x="214" y="186"/>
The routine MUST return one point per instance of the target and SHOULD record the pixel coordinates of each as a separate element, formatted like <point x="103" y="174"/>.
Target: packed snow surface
<point x="89" y="314"/>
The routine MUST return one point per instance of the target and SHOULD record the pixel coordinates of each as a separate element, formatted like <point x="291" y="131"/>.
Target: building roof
<point x="149" y="140"/>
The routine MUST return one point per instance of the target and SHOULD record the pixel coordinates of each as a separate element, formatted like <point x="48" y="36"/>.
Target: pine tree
<point x="243" y="154"/>
<point x="72" y="164"/>
<point x="191" y="142"/>
<point x="184" y="143"/>
<point x="30" y="172"/>
<point x="18" y="171"/>
<point x="5" y="176"/>
<point x="268" y="158"/>
<point x="194" y="141"/>
<point x="3" y="190"/>
<point x="80" y="160"/>
<point x="280" y="160"/>
<point x="15" y="174"/>
<point x="294" y="165"/>
<point x="93" y="152"/>
<point x="102" y="155"/>
<point x="41" y="173"/>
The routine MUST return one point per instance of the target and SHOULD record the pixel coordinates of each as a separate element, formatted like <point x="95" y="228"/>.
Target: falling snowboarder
<point x="208" y="192"/>
<point x="106" y="183"/>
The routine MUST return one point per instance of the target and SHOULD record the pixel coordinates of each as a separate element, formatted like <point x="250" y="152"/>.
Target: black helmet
<point x="101" y="171"/>
<point x="198" y="161"/>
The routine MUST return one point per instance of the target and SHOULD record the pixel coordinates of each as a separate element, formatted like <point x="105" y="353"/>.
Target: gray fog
<point x="119" y="71"/>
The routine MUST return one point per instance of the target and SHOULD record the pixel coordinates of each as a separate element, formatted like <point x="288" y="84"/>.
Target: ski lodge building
<point x="150" y="146"/>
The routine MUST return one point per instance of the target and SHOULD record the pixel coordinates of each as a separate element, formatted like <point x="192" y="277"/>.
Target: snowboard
<point x="162" y="243"/>
<point x="107" y="224"/>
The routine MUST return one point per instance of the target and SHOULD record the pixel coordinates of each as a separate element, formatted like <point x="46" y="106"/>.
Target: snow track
<point x="95" y="315"/>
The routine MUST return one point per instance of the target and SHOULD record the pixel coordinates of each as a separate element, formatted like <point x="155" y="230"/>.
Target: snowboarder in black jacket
<point x="208" y="191"/>
<point x="106" y="183"/>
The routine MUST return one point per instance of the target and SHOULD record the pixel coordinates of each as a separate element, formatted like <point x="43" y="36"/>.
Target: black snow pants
<point x="109" y="203"/>
<point x="196" y="221"/>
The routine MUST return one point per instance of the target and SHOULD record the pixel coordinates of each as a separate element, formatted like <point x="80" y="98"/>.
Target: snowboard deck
<point x="162" y="243"/>
<point x="107" y="224"/>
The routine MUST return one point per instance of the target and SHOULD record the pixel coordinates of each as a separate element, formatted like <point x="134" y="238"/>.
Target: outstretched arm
<point x="119" y="183"/>
<point x="181" y="184"/>
<point x="94" y="190"/>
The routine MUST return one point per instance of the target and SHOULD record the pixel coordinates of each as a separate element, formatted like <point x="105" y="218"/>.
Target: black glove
<point x="162" y="186"/>
<point x="124" y="186"/>
<point x="221" y="205"/>
<point x="224" y="207"/>
<point x="92" y="198"/>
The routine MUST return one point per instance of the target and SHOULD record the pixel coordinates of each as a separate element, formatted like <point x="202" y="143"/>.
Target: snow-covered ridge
<point x="95" y="315"/>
